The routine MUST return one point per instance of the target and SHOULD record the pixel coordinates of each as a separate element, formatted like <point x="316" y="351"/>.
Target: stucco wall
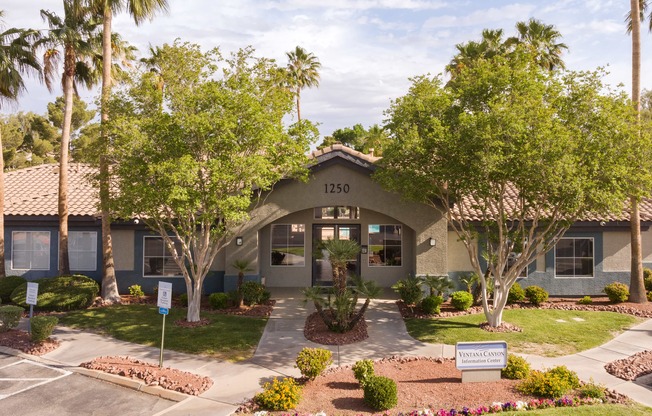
<point x="458" y="256"/>
<point x="123" y="249"/>
<point x="617" y="255"/>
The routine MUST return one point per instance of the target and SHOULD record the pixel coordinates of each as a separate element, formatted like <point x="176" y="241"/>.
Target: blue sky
<point x="368" y="48"/>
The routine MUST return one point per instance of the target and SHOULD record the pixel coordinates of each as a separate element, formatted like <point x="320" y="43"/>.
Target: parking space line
<point x="41" y="381"/>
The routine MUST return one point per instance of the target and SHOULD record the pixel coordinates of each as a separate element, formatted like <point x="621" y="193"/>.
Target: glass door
<point x="322" y="272"/>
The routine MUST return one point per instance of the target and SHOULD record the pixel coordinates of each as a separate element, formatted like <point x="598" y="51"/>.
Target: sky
<point x="368" y="48"/>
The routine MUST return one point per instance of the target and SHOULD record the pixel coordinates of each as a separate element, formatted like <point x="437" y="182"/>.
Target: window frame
<point x="336" y="210"/>
<point x="94" y="251"/>
<point x="370" y="251"/>
<point x="162" y="275"/>
<point x="287" y="246"/>
<point x="554" y="264"/>
<point x="49" y="248"/>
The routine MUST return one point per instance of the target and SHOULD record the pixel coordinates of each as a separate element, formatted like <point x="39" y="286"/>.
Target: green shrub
<point x="183" y="300"/>
<point x="279" y="395"/>
<point x="136" y="291"/>
<point x="253" y="293"/>
<point x="42" y="327"/>
<point x="363" y="371"/>
<point x="10" y="317"/>
<point x="593" y="390"/>
<point x="313" y="361"/>
<point x="431" y="304"/>
<point x="649" y="296"/>
<point x="553" y="383"/>
<point x="517" y="368"/>
<point x="536" y="295"/>
<point x="218" y="300"/>
<point x="409" y="290"/>
<point x="61" y="293"/>
<point x="516" y="294"/>
<point x="461" y="300"/>
<point x="617" y="292"/>
<point x="380" y="393"/>
<point x="7" y="285"/>
<point x="647" y="276"/>
<point x="586" y="300"/>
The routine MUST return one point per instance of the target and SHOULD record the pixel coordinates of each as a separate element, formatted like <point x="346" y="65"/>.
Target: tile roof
<point x="338" y="147"/>
<point x="34" y="190"/>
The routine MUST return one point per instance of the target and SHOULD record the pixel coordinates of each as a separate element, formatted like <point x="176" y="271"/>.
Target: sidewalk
<point x="283" y="339"/>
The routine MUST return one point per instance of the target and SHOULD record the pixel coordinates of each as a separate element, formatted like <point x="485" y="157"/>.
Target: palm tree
<point x="636" y="284"/>
<point x="70" y="39"/>
<point x="340" y="252"/>
<point x="140" y="10"/>
<point x="16" y="57"/>
<point x="490" y="45"/>
<point x="542" y="41"/>
<point x="642" y="9"/>
<point x="242" y="266"/>
<point x="303" y="72"/>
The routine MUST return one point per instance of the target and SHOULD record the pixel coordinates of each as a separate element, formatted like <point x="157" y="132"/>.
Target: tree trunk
<point x="636" y="285"/>
<point x="2" y="210"/>
<point x="64" y="260"/>
<point x="240" y="282"/>
<point x="109" y="284"/>
<point x="194" y="302"/>
<point x="298" y="104"/>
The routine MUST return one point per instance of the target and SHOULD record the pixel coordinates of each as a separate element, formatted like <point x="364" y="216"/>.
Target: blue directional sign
<point x="163" y="311"/>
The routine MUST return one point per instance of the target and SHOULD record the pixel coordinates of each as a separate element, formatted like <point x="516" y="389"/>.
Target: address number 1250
<point x="336" y="188"/>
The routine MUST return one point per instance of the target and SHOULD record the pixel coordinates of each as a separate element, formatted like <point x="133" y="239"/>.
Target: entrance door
<point x="322" y="272"/>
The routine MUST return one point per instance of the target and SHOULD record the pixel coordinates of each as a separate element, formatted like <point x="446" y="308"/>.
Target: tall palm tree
<point x="303" y="71"/>
<point x="16" y="57"/>
<point x="69" y="38"/>
<point x="491" y="44"/>
<point x="140" y="10"/>
<point x="642" y="9"/>
<point x="636" y="284"/>
<point x="543" y="42"/>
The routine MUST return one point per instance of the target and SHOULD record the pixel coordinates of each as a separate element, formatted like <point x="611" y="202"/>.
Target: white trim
<point x="554" y="258"/>
<point x="271" y="246"/>
<point x="31" y="251"/>
<point x="158" y="276"/>
<point x="93" y="251"/>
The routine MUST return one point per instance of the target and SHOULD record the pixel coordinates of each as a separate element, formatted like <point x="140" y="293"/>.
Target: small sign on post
<point x="164" y="303"/>
<point x="480" y="361"/>
<point x="31" y="299"/>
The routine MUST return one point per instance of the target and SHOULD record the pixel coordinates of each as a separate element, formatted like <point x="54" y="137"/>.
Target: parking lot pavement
<point x="31" y="388"/>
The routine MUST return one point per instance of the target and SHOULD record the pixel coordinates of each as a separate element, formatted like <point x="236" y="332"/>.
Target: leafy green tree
<point x="357" y="138"/>
<point x="29" y="140"/>
<point x="139" y="10"/>
<point x="190" y="168"/>
<point x="242" y="266"/>
<point x="16" y="58"/>
<point x="303" y="72"/>
<point x="559" y="144"/>
<point x="83" y="133"/>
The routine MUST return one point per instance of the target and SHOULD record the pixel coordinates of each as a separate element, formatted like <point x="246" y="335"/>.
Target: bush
<point x="7" y="285"/>
<point x="253" y="293"/>
<point x="431" y="304"/>
<point x="536" y="295"/>
<point x="593" y="391"/>
<point x="363" y="371"/>
<point x="647" y="276"/>
<point x="617" y="292"/>
<point x="61" y="293"/>
<point x="218" y="300"/>
<point x="313" y="361"/>
<point x="42" y="327"/>
<point x="461" y="300"/>
<point x="183" y="300"/>
<point x="553" y="383"/>
<point x="380" y="393"/>
<point x="586" y="300"/>
<point x="136" y="291"/>
<point x="409" y="290"/>
<point x="279" y="395"/>
<point x="516" y="294"/>
<point x="10" y="317"/>
<point x="517" y="368"/>
<point x="649" y="296"/>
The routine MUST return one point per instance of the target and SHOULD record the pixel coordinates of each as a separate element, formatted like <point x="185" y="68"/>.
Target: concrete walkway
<point x="283" y="339"/>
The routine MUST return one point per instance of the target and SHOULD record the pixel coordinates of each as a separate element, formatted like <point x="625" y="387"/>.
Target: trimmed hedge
<point x="461" y="300"/>
<point x="10" y="317"/>
<point x="218" y="300"/>
<point x="536" y="295"/>
<point x="42" y="327"/>
<point x="380" y="393"/>
<point x="8" y="285"/>
<point x="617" y="292"/>
<point x="61" y="293"/>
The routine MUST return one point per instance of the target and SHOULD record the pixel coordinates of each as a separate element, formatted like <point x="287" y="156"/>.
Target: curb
<point x="129" y="383"/>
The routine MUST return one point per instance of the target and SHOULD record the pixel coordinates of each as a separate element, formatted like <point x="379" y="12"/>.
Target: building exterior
<point x="282" y="241"/>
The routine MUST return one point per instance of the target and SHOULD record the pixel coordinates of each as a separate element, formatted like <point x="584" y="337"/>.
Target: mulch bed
<point x="632" y="367"/>
<point x="316" y="330"/>
<point x="21" y="340"/>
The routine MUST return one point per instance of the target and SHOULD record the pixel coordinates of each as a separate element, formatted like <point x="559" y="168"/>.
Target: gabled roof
<point x="34" y="191"/>
<point x="339" y="151"/>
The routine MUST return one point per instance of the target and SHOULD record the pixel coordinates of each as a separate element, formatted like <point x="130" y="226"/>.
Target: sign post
<point x="480" y="361"/>
<point x="31" y="299"/>
<point x="164" y="303"/>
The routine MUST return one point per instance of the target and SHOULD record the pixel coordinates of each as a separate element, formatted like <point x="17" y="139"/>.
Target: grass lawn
<point x="547" y="333"/>
<point x="227" y="337"/>
<point x="596" y="410"/>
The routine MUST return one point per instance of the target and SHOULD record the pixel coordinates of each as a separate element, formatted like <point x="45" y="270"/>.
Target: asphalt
<point x="283" y="339"/>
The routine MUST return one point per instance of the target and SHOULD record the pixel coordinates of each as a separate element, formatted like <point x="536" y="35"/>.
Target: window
<point x="288" y="248"/>
<point x="385" y="245"/>
<point x="30" y="250"/>
<point x="511" y="259"/>
<point x="157" y="259"/>
<point x="82" y="250"/>
<point x="337" y="213"/>
<point x="574" y="257"/>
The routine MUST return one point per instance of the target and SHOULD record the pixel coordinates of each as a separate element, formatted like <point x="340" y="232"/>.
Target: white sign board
<point x="32" y="293"/>
<point x="164" y="295"/>
<point x="481" y="355"/>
